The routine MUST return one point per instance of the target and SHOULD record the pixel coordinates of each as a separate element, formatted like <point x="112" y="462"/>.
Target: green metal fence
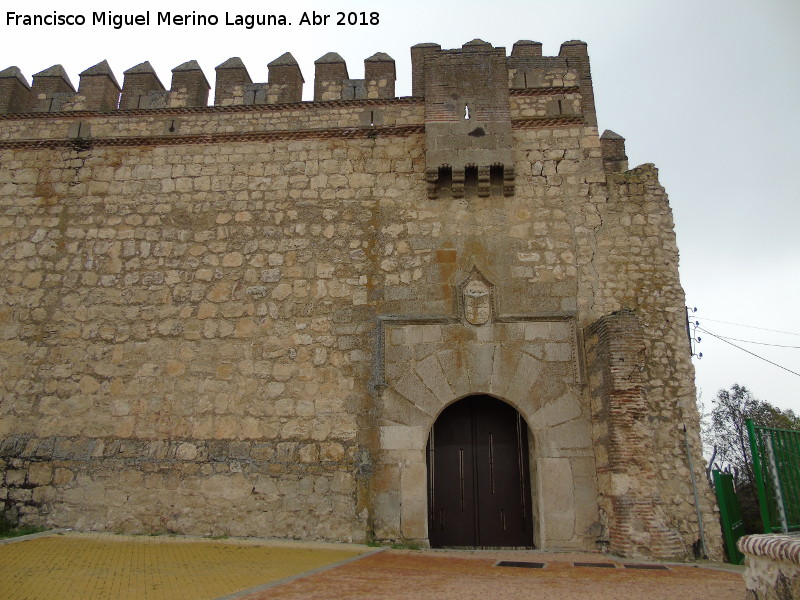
<point x="776" y="466"/>
<point x="730" y="514"/>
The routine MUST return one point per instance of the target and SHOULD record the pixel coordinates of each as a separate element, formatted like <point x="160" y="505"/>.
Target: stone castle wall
<point x="244" y="318"/>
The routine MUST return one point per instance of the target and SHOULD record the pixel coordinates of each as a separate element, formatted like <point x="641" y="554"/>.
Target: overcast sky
<point x="708" y="90"/>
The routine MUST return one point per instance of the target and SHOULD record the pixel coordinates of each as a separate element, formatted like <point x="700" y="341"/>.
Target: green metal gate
<point x="730" y="515"/>
<point x="776" y="466"/>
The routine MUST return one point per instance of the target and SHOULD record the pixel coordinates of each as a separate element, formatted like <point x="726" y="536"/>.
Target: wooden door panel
<point x="479" y="488"/>
<point x="453" y="506"/>
<point x="503" y="497"/>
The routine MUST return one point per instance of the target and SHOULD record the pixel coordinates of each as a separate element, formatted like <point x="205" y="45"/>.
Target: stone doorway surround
<point x="424" y="364"/>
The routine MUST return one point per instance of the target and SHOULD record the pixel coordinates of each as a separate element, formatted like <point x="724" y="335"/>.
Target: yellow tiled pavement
<point x="74" y="566"/>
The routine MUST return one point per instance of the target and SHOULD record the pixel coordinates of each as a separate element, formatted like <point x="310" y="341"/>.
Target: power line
<point x="748" y="326"/>
<point x="725" y="337"/>
<point x="748" y="351"/>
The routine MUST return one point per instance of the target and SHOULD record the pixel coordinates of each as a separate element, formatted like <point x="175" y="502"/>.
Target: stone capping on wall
<point x="59" y="77"/>
<point x="780" y="548"/>
<point x="772" y="569"/>
<point x="612" y="147"/>
<point x="15" y="73"/>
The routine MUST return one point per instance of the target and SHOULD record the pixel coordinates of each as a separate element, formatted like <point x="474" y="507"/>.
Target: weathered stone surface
<point x="245" y="319"/>
<point x="772" y="566"/>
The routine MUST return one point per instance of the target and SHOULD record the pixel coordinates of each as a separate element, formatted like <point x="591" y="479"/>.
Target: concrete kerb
<point x="33" y="536"/>
<point x="700" y="564"/>
<point x="710" y="565"/>
<point x="272" y="584"/>
<point x="277" y="542"/>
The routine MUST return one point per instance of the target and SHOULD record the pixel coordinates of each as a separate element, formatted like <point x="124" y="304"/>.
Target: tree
<point x="726" y="430"/>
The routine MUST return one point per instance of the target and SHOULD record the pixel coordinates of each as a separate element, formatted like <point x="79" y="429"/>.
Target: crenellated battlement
<point x="470" y="96"/>
<point x="51" y="90"/>
<point x="14" y="91"/>
<point x="98" y="90"/>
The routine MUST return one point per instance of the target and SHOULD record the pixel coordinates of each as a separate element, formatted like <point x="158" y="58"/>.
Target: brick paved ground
<point x="403" y="575"/>
<point x="106" y="566"/>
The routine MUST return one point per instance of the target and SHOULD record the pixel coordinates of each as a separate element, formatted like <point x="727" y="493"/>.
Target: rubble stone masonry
<point x="244" y="319"/>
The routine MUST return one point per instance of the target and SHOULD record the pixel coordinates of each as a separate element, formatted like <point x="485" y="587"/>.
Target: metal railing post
<point x="776" y="482"/>
<point x="759" y="477"/>
<point x="696" y="498"/>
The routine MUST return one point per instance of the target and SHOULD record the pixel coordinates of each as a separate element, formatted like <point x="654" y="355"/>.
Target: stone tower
<point x="360" y="317"/>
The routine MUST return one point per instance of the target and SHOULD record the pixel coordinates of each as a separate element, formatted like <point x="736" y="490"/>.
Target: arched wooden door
<point x="478" y="476"/>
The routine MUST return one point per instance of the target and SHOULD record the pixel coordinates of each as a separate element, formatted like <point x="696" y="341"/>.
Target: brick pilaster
<point x="627" y="477"/>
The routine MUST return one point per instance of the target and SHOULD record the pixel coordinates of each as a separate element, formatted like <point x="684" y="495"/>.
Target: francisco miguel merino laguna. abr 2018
<point x="117" y="21"/>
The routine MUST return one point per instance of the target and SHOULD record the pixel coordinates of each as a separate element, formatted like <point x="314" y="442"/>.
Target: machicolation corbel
<point x="468" y="136"/>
